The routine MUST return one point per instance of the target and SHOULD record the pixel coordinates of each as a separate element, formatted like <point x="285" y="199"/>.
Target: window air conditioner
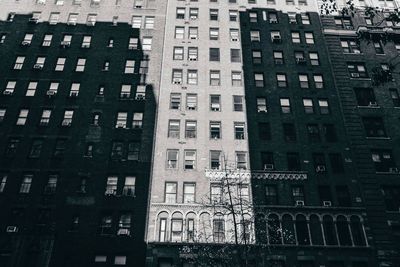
<point x="38" y="66"/>
<point x="7" y="92"/>
<point x="26" y="43"/>
<point x="299" y="203"/>
<point x="11" y="229"/>
<point x="268" y="167"/>
<point x="65" y="43"/>
<point x="373" y="104"/>
<point x="66" y="123"/>
<point x="123" y="232"/>
<point x="320" y="168"/>
<point x="327" y="203"/>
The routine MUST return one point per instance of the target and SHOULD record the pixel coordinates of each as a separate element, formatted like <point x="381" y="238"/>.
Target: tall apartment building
<point x="76" y="124"/>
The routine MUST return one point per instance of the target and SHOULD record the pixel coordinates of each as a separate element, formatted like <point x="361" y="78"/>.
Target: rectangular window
<point x="394" y="94"/>
<point x="80" y="65"/>
<point x="36" y="148"/>
<point x="74" y="91"/>
<point x="236" y="78"/>
<point x="117" y="151"/>
<point x="351" y="46"/>
<point x="213" y="14"/>
<point x="214" y="33"/>
<point x="172" y="159"/>
<point x="170" y="192"/>
<point x="47" y="40"/>
<point x="241" y="161"/>
<point x="129" y="186"/>
<point x="289" y="132"/>
<point x="234" y="35"/>
<point x="137" y="121"/>
<point x="298" y="195"/>
<point x="26" y="184"/>
<point x="133" y="43"/>
<point x="189" y="192"/>
<point x="45" y="118"/>
<point x="255" y="36"/>
<point x="87" y="39"/>
<point x="365" y="97"/>
<point x="239" y="130"/>
<point x="173" y="128"/>
<point x="215" y="129"/>
<point x="190" y="129"/>
<point x="257" y="56"/>
<point x="191" y="102"/>
<point x="303" y="79"/>
<point x="259" y="79"/>
<point x="111" y="186"/>
<point x="308" y="106"/>
<point x="261" y="104"/>
<point x="357" y="70"/>
<point x="22" y="117"/>
<point x="193" y="33"/>
<point x="121" y="120"/>
<point x="215" y="160"/>
<point x="309" y="37"/>
<point x="125" y="91"/>
<point x="215" y="77"/>
<point x="285" y="105"/>
<point x="67" y="120"/>
<point x="296" y="38"/>
<point x="214" y="54"/>
<point x="10" y="87"/>
<point x="271" y="195"/>
<point x="129" y="66"/>
<point x="215" y="102"/>
<point x="133" y="151"/>
<point x="281" y="80"/>
<point x="60" y="64"/>
<point x="235" y="55"/>
<point x="3" y="183"/>
<point x="318" y="81"/>
<point x="178" y="53"/>
<point x="278" y="57"/>
<point x="177" y="76"/>
<point x="175" y="101"/>
<point x="192" y="53"/>
<point x="323" y="106"/>
<point x="147" y="43"/>
<point x="149" y="22"/>
<point x="189" y="159"/>
<point x="314" y="59"/>
<point x="192" y="77"/>
<point x="193" y="13"/>
<point x="19" y="62"/>
<point x="264" y="131"/>
<point x="237" y="103"/>
<point x="216" y="193"/>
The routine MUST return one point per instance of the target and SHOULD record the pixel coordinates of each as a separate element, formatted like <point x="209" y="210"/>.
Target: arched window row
<point x="315" y="230"/>
<point x="198" y="226"/>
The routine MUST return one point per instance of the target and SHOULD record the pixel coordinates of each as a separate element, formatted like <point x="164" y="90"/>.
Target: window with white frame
<point x="80" y="65"/>
<point x="45" y="118"/>
<point x="74" y="92"/>
<point x="87" y="39"/>
<point x="179" y="32"/>
<point x="129" y="186"/>
<point x="239" y="130"/>
<point x="19" y="62"/>
<point x="192" y="77"/>
<point x="177" y="76"/>
<point x="237" y="103"/>
<point x="149" y="22"/>
<point x="137" y="121"/>
<point x="189" y="159"/>
<point x="173" y="128"/>
<point x="215" y="102"/>
<point x="147" y="43"/>
<point x="193" y="33"/>
<point x="215" y="77"/>
<point x="189" y="192"/>
<point x="172" y="159"/>
<point x="47" y="40"/>
<point x="31" y="90"/>
<point x="178" y="53"/>
<point x="192" y="53"/>
<point x="190" y="129"/>
<point x="129" y="66"/>
<point x="22" y="116"/>
<point x="122" y="118"/>
<point x="236" y="77"/>
<point x="191" y="102"/>
<point x="10" y="87"/>
<point x="60" y="64"/>
<point x="241" y="161"/>
<point x="111" y="186"/>
<point x="26" y="184"/>
<point x="175" y="101"/>
<point x="170" y="192"/>
<point x="67" y="120"/>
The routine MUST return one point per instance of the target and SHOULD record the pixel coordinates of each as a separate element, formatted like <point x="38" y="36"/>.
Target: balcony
<point x="256" y="174"/>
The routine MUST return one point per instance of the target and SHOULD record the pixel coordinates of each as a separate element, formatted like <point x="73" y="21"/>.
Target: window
<point x="80" y="65"/>
<point x="86" y="41"/>
<point x="2" y="114"/>
<point x="219" y="229"/>
<point x="236" y="77"/>
<point x="172" y="159"/>
<point x="319" y="162"/>
<point x="383" y="160"/>
<point x="235" y="55"/>
<point x="285" y="105"/>
<point x="215" y="160"/>
<point x="192" y="53"/>
<point x="129" y="66"/>
<point x="293" y="162"/>
<point x="214" y="54"/>
<point x="133" y="43"/>
<point x="137" y="121"/>
<point x="273" y="17"/>
<point x="318" y="81"/>
<point x="299" y="56"/>
<point x="192" y="77"/>
<point x="176" y="229"/>
<point x="36" y="148"/>
<point x="329" y="132"/>
<point x="125" y="91"/>
<point x="216" y="193"/>
<point x="178" y="53"/>
<point x="276" y="37"/>
<point x="394" y="94"/>
<point x="51" y="185"/>
<point x="74" y="89"/>
<point x="54" y="18"/>
<point x="253" y="17"/>
<point x="281" y="80"/>
<point x="27" y="39"/>
<point x="391" y="195"/>
<point x="67" y="120"/>
<point x="261" y="104"/>
<point x="112" y="185"/>
<point x="179" y="32"/>
<point x="313" y="133"/>
<point x="309" y="37"/>
<point x="190" y="129"/>
<point x="149" y="22"/>
<point x="271" y="195"/>
<point x="22" y="117"/>
<point x="267" y="161"/>
<point x="214" y="33"/>
<point x="173" y="128"/>
<point x="259" y="79"/>
<point x="305" y="18"/>
<point x="59" y="149"/>
<point x="289" y="132"/>
<point x="189" y="192"/>
<point x="170" y="192"/>
<point x="45" y="118"/>
<point x="255" y="36"/>
<point x="213" y="14"/>
<point x="39" y="64"/>
<point x="19" y="62"/>
<point x="343" y="196"/>
<point x="239" y="130"/>
<point x="10" y="87"/>
<point x="215" y="102"/>
<point x="308" y="105"/>
<point x="357" y="70"/>
<point x="314" y="59"/>
<point x="278" y="57"/>
<point x="241" y="162"/>
<point x="91" y="19"/>
<point x="257" y="56"/>
<point x="296" y="38"/>
<point x="129" y="186"/>
<point x="323" y="106"/>
<point x="12" y="147"/>
<point x="26" y="184"/>
<point x="121" y="120"/>
<point x="303" y="78"/>
<point x="350" y="46"/>
<point x="193" y="13"/>
<point x="47" y="40"/>
<point x="60" y="64"/>
<point x="3" y="183"/>
<point x="88" y="151"/>
<point x="147" y="43"/>
<point x="233" y="15"/>
<point x="297" y="194"/>
<point x="264" y="131"/>
<point x="215" y="77"/>
<point x="374" y="127"/>
<point x="215" y="130"/>
<point x="53" y="88"/>
<point x="175" y="101"/>
<point x="237" y="103"/>
<point x="177" y="76"/>
<point x="234" y="35"/>
<point x="344" y="22"/>
<point x="336" y="163"/>
<point x="193" y="33"/>
<point x="365" y="97"/>
<point x="191" y="101"/>
<point x="133" y="151"/>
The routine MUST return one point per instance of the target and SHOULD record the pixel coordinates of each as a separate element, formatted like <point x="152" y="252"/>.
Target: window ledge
<point x="377" y="138"/>
<point x="373" y="107"/>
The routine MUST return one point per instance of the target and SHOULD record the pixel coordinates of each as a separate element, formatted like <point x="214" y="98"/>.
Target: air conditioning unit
<point x="320" y="168"/>
<point x="327" y="203"/>
<point x="276" y="39"/>
<point x="355" y="75"/>
<point x="11" y="229"/>
<point x="193" y="17"/>
<point x="177" y="81"/>
<point x="125" y="95"/>
<point x="33" y="20"/>
<point x="43" y="123"/>
<point x="273" y="21"/>
<point x="192" y="58"/>
<point x="262" y="110"/>
<point x="128" y="192"/>
<point x="234" y="39"/>
<point x="373" y="104"/>
<point x="66" y="123"/>
<point x="49" y="189"/>
<point x="111" y="192"/>
<point x="123" y="232"/>
<point x="50" y="93"/>
<point x="38" y="66"/>
<point x="120" y="125"/>
<point x="300" y="60"/>
<point x="193" y="37"/>
<point x="72" y="23"/>
<point x="91" y="23"/>
<point x="85" y="45"/>
<point x="26" y="43"/>
<point x="7" y="92"/>
<point x="394" y="170"/>
<point x="65" y="43"/>
<point x="299" y="203"/>
<point x="268" y="167"/>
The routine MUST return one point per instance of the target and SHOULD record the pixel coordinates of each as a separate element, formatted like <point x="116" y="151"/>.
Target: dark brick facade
<point x="72" y="223"/>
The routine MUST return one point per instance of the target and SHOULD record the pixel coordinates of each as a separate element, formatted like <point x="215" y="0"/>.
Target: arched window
<point x="274" y="229"/>
<point x="343" y="231"/>
<point x="357" y="231"/>
<point x="176" y="227"/>
<point x="162" y="226"/>
<point x="329" y="230"/>
<point x="316" y="231"/>
<point x="303" y="236"/>
<point x="288" y="234"/>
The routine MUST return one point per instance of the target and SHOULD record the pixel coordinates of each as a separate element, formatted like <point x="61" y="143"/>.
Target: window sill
<point x="377" y="138"/>
<point x="373" y="107"/>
